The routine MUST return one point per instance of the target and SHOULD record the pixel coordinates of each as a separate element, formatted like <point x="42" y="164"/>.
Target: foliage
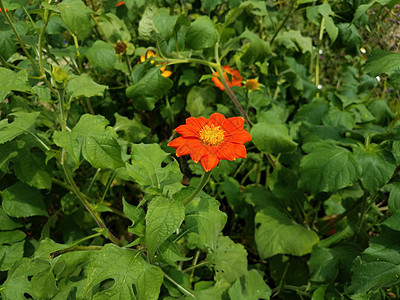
<point x="95" y="205"/>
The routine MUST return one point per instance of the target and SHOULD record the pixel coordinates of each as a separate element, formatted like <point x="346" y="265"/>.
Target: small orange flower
<point x="4" y="9"/>
<point x="252" y="84"/>
<point x="234" y="75"/>
<point x="120" y="3"/>
<point x="210" y="140"/>
<point x="164" y="72"/>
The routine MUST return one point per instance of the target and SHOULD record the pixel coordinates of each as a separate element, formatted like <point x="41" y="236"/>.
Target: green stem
<point x="292" y="6"/>
<point x="73" y="249"/>
<point x="199" y="187"/>
<point x="185" y="291"/>
<point x="82" y="198"/>
<point x="21" y="43"/>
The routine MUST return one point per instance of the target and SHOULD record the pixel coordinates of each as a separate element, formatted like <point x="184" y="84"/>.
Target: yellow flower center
<point x="252" y="84"/>
<point x="211" y="135"/>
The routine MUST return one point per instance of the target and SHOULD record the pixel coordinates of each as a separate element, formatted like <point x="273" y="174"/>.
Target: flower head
<point x="120" y="47"/>
<point x="120" y="3"/>
<point x="164" y="72"/>
<point x="210" y="140"/>
<point x="234" y="78"/>
<point x="252" y="84"/>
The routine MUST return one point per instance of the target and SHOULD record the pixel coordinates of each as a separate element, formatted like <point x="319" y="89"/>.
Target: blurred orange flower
<point x="164" y="72"/>
<point x="210" y="140"/>
<point x="233" y="80"/>
<point x="4" y="9"/>
<point x="120" y="3"/>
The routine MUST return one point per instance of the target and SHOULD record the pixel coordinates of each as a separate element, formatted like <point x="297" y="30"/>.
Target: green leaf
<point x="272" y="138"/>
<point x="275" y="231"/>
<point x="326" y="11"/>
<point x="328" y="168"/>
<point x="134" y="130"/>
<point x="10" y="254"/>
<point x="126" y="268"/>
<point x="70" y="142"/>
<point x="12" y="81"/>
<point x="30" y="167"/>
<point x="199" y="99"/>
<point x="101" y="55"/>
<point x="382" y="62"/>
<point x="364" y="7"/>
<point x="164" y="23"/>
<point x="147" y="29"/>
<point x="146" y="167"/>
<point x="210" y="5"/>
<point x="162" y="219"/>
<point x="379" y="264"/>
<point x="258" y="49"/>
<point x="76" y="16"/>
<point x="338" y="118"/>
<point x="7" y="44"/>
<point x="114" y="28"/>
<point x="323" y="265"/>
<point x="97" y="140"/>
<point x="394" y="198"/>
<point x="8" y="152"/>
<point x="203" y="212"/>
<point x="201" y="34"/>
<point x="251" y="287"/>
<point x="84" y="86"/>
<point x="377" y="167"/>
<point x="6" y="223"/>
<point x="22" y="123"/>
<point x="229" y="260"/>
<point x="294" y="39"/>
<point x="20" y="201"/>
<point x="149" y="90"/>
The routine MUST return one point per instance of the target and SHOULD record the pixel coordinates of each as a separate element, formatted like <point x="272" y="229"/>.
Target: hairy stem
<point x="199" y="187"/>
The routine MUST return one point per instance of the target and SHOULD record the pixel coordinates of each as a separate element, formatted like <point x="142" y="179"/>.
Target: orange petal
<point x="189" y="146"/>
<point x="142" y="58"/>
<point x="240" y="151"/>
<point x="239" y="137"/>
<point x="217" y="119"/>
<point x="209" y="161"/>
<point x="227" y="68"/>
<point x="176" y="143"/>
<point x="226" y="151"/>
<point x="166" y="73"/>
<point x="187" y="131"/>
<point x="196" y="123"/>
<point x="199" y="151"/>
<point x="150" y="54"/>
<point x="233" y="124"/>
<point x="218" y="83"/>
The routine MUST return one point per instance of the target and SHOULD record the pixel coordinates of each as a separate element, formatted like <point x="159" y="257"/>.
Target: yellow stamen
<point x="211" y="135"/>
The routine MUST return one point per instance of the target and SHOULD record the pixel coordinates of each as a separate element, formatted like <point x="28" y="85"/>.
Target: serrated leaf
<point x="293" y="38"/>
<point x="204" y="212"/>
<point x="379" y="264"/>
<point x="114" y="28"/>
<point x="275" y="231"/>
<point x="229" y="260"/>
<point x="201" y="34"/>
<point x="8" y="152"/>
<point x="163" y="217"/>
<point x="137" y="215"/>
<point x="10" y="254"/>
<point x="126" y="268"/>
<point x="147" y="30"/>
<point x="11" y="237"/>
<point x="76" y="15"/>
<point x="7" y="44"/>
<point x="328" y="168"/>
<point x="338" y="118"/>
<point x="382" y="62"/>
<point x="377" y="167"/>
<point x="84" y="86"/>
<point x="258" y="49"/>
<point x="13" y="81"/>
<point x="253" y="287"/>
<point x="20" y="200"/>
<point x="22" y="123"/>
<point x="164" y="22"/>
<point x="101" y="55"/>
<point x="30" y="167"/>
<point x="134" y="130"/>
<point x="146" y="167"/>
<point x="199" y="99"/>
<point x="272" y="138"/>
<point x="97" y="141"/>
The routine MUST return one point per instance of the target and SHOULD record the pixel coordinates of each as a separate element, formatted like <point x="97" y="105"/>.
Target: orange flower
<point x="234" y="75"/>
<point x="4" y="9"/>
<point x="209" y="141"/>
<point x="120" y="3"/>
<point x="164" y="72"/>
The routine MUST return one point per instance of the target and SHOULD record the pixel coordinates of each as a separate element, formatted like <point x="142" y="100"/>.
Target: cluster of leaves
<point x="92" y="201"/>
